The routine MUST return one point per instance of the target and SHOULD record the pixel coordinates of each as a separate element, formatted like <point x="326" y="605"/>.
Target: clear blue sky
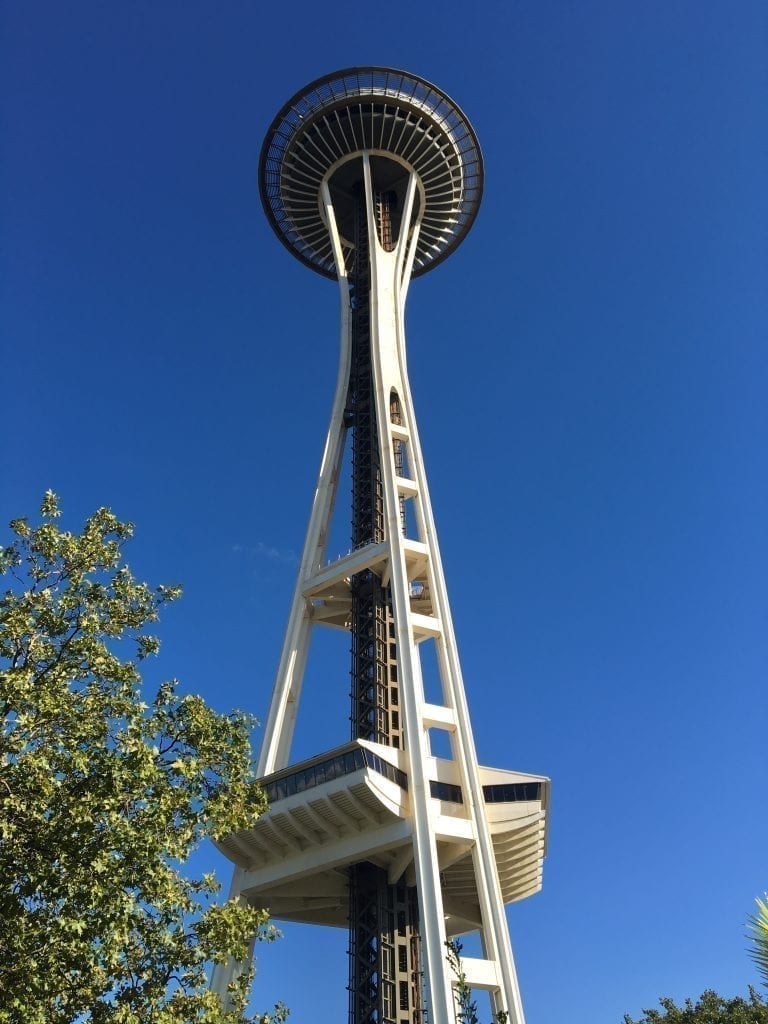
<point x="589" y="372"/>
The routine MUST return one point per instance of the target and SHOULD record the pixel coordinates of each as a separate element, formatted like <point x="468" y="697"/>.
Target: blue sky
<point x="589" y="372"/>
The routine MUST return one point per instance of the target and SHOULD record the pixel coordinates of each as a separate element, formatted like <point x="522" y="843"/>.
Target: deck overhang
<point x="352" y="804"/>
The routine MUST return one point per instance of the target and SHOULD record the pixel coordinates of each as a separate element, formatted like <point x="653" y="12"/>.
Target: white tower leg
<point x="278" y="730"/>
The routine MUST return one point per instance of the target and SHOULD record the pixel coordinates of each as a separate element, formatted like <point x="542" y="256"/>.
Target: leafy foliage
<point x="758" y="927"/>
<point x="710" y="1008"/>
<point x="466" y="1007"/>
<point x="103" y="796"/>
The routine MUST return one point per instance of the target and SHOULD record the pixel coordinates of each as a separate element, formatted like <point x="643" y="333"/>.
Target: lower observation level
<point x="354" y="800"/>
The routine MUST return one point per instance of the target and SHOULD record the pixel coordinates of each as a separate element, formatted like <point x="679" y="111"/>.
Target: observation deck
<point x="405" y="124"/>
<point x="353" y="803"/>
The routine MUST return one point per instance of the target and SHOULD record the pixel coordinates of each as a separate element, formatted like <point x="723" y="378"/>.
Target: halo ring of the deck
<point x="370" y="109"/>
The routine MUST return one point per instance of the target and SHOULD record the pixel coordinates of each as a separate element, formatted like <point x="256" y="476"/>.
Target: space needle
<point x="373" y="176"/>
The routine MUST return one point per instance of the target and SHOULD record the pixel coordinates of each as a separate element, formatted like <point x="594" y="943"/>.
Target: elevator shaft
<point x="385" y="985"/>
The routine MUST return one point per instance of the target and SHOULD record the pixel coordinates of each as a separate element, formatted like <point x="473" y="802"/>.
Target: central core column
<point x="385" y="977"/>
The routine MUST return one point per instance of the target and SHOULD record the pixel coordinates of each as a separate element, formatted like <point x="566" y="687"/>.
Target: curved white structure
<point x="468" y="838"/>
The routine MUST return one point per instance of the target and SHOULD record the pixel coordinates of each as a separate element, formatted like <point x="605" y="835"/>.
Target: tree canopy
<point x="758" y="933"/>
<point x="104" y="794"/>
<point x="709" y="1008"/>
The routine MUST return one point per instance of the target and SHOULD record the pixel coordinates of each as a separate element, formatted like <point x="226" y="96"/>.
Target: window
<point x="446" y="791"/>
<point x="402" y="958"/>
<point x="333" y="768"/>
<point x="512" y="791"/>
<point x="403" y="995"/>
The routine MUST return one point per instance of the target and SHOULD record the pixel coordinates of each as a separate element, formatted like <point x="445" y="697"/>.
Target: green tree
<point x="758" y="928"/>
<point x="466" y="1007"/>
<point x="710" y="1008"/>
<point x="103" y="796"/>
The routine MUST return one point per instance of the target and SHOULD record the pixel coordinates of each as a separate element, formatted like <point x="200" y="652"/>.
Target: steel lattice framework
<point x="378" y="980"/>
<point x="372" y="176"/>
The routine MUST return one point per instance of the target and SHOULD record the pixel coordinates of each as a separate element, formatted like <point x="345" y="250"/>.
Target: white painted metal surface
<point x="418" y="834"/>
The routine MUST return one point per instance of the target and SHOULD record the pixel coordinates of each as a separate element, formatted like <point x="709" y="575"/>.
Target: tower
<point x="372" y="176"/>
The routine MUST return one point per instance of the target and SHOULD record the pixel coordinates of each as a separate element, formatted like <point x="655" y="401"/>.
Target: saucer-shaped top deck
<point x="404" y="123"/>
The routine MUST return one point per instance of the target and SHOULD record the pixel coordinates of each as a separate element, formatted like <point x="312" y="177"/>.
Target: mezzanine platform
<point x="352" y="804"/>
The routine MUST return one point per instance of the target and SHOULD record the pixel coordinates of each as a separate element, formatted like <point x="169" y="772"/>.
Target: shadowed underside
<point x="402" y="117"/>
